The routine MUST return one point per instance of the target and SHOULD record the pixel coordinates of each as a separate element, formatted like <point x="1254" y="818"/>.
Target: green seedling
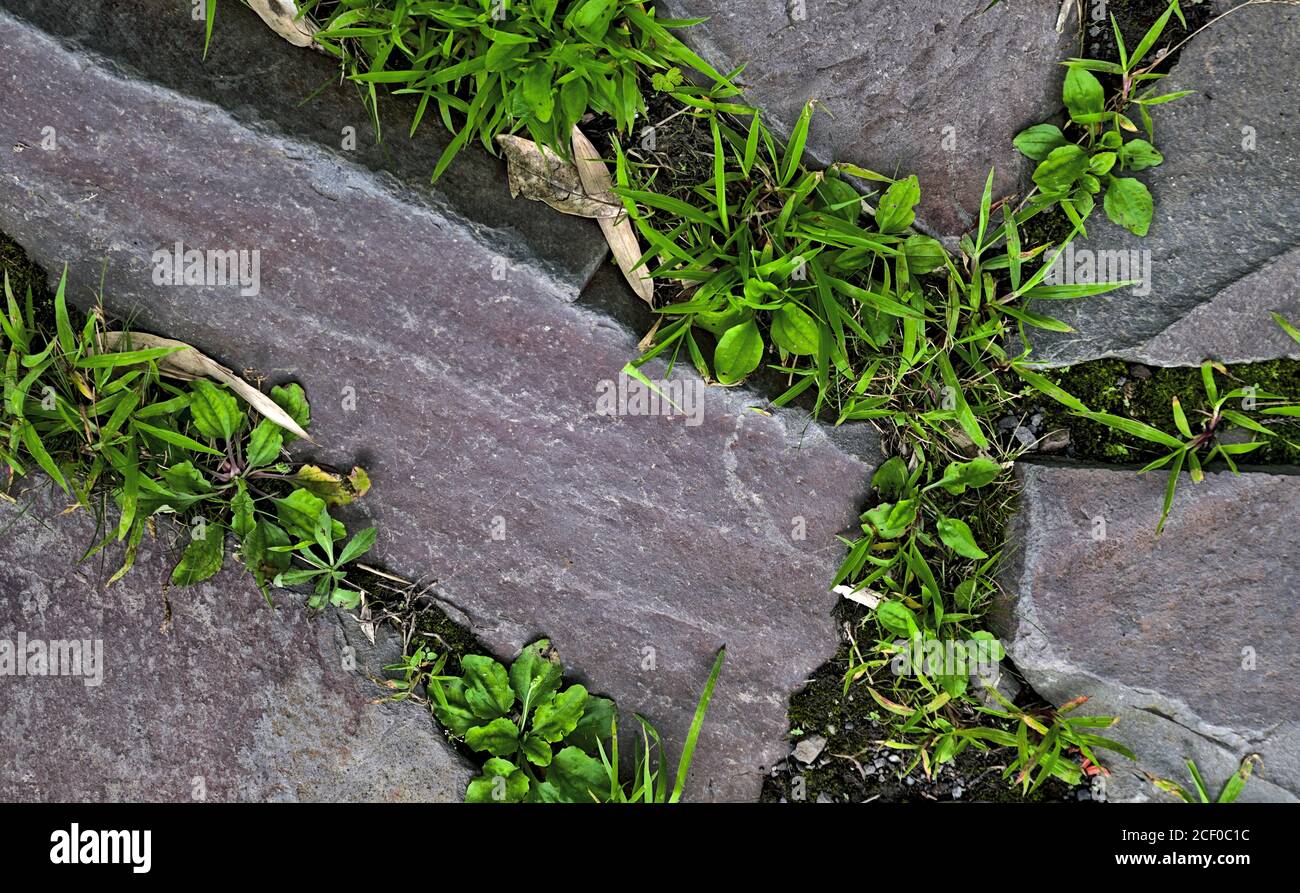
<point x="1072" y="173"/>
<point x="548" y="742"/>
<point x="1200" y="793"/>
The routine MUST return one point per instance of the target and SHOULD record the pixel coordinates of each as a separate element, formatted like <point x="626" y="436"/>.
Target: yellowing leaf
<point x="335" y="489"/>
<point x="539" y="174"/>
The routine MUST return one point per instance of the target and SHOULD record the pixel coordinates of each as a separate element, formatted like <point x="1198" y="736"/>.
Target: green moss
<point x="24" y="274"/>
<point x="1111" y="386"/>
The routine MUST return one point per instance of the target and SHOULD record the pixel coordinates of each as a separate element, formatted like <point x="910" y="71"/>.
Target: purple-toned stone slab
<point x="204" y="693"/>
<point x="926" y="87"/>
<point x="1191" y="638"/>
<point x="466" y="379"/>
<point x="270" y="86"/>
<point x="1223" y="251"/>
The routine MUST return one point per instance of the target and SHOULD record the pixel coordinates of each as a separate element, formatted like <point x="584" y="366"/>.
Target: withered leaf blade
<point x="619" y="232"/>
<point x="282" y="17"/>
<point x="539" y="174"/>
<point x="334" y="488"/>
<point x="189" y="363"/>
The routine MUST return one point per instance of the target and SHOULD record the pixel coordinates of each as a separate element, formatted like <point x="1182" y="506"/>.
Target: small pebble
<point x="809" y="748"/>
<point x="957" y="792"/>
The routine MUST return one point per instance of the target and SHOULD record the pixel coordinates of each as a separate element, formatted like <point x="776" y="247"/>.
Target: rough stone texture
<point x="267" y="85"/>
<point x="254" y="701"/>
<point x="1155" y="629"/>
<point x="637" y="544"/>
<point x="1225" y="241"/>
<point x="894" y="75"/>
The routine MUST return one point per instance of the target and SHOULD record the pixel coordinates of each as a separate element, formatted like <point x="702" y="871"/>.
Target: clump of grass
<point x="487" y="67"/>
<point x="131" y="447"/>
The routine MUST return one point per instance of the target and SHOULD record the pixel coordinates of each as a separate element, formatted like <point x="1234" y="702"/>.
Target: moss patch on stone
<point x="1146" y="394"/>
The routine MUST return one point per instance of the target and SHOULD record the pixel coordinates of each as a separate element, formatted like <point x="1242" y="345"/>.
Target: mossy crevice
<point x="1146" y="394"/>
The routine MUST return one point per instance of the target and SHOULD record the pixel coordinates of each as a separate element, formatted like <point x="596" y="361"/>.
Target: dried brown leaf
<point x="539" y="174"/>
<point x="619" y="232"/>
<point x="189" y="364"/>
<point x="282" y="17"/>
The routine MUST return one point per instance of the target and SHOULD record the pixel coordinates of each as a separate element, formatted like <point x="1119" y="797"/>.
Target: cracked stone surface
<point x="1190" y="638"/>
<point x="268" y="86"/>
<point x="1224" y="245"/>
<point x="639" y="545"/>
<point x="202" y="693"/>
<point x="926" y="87"/>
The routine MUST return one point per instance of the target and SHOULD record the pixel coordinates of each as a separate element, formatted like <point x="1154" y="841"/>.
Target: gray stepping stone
<point x="1191" y="638"/>
<point x="638" y="544"/>
<point x="927" y="87"/>
<point x="1224" y="246"/>
<point x="203" y="693"/>
<point x="267" y="85"/>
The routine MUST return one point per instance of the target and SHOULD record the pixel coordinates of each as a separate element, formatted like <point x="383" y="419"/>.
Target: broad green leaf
<point x="598" y="719"/>
<point x="924" y="254"/>
<point x="890" y="479"/>
<point x="500" y="782"/>
<point x="897" y="618"/>
<point x="500" y="737"/>
<point x="487" y="686"/>
<point x="453" y="711"/>
<point x="1138" y="155"/>
<point x="896" y="210"/>
<point x="536" y="674"/>
<point x="1062" y="166"/>
<point x="538" y="91"/>
<point x="359" y="545"/>
<point x="891" y="520"/>
<point x="264" y="444"/>
<point x="794" y="330"/>
<point x="298" y="513"/>
<point x="215" y="411"/>
<point x="536" y="749"/>
<point x="739" y="351"/>
<point x="1038" y="141"/>
<point x="292" y="400"/>
<point x="202" y="558"/>
<point x="1128" y="203"/>
<point x="577" y="777"/>
<point x="243" y="521"/>
<point x="557" y="717"/>
<point x="975" y="474"/>
<point x="1083" y="93"/>
<point x="956" y="535"/>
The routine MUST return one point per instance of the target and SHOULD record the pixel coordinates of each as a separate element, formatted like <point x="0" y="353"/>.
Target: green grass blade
<point x="688" y="750"/>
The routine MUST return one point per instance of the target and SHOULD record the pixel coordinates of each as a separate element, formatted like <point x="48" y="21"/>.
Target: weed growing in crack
<point x="1200" y="793"/>
<point x="115" y="434"/>
<point x="1220" y="431"/>
<point x="1070" y="174"/>
<point x="490" y="67"/>
<point x="551" y="743"/>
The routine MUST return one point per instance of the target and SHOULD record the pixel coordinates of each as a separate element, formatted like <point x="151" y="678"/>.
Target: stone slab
<point x="205" y="693"/>
<point x="1191" y="638"/>
<point x="266" y="84"/>
<point x="1224" y="246"/>
<point x="926" y="87"/>
<point x="638" y="544"/>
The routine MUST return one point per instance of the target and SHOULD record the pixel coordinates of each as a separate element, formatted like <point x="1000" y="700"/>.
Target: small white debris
<point x="809" y="748"/>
